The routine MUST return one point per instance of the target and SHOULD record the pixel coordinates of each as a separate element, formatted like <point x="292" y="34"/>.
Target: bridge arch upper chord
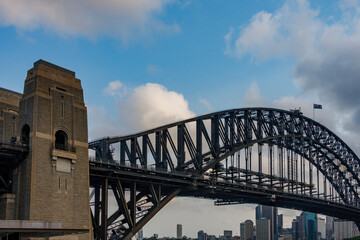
<point x="199" y="146"/>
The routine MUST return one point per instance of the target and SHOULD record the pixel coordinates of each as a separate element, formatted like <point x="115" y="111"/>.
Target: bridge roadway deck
<point x="202" y="187"/>
<point x="12" y="154"/>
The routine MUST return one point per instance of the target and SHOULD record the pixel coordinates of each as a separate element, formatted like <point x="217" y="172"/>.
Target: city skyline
<point x="306" y="225"/>
<point x="164" y="61"/>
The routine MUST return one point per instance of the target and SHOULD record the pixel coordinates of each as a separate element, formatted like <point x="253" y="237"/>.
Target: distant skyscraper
<point x="343" y="229"/>
<point x="280" y="222"/>
<point x="294" y="229"/>
<point x="242" y="231"/>
<point x="179" y="231"/>
<point x="270" y="213"/>
<point x="329" y="227"/>
<point x="247" y="230"/>
<point x="263" y="229"/>
<point x="321" y="229"/>
<point x="202" y="235"/>
<point x="298" y="228"/>
<point x="258" y="212"/>
<point x="211" y="237"/>
<point x="310" y="225"/>
<point x="227" y="234"/>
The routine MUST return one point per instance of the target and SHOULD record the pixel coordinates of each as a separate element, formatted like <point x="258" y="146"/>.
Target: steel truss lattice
<point x="234" y="156"/>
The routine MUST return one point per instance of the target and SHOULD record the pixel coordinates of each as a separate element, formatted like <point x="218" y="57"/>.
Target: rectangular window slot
<point x="13" y="128"/>
<point x="61" y="89"/>
<point x="62" y="109"/>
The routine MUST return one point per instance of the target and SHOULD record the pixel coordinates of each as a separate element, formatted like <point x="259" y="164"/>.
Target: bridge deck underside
<point x="10" y="156"/>
<point x="223" y="192"/>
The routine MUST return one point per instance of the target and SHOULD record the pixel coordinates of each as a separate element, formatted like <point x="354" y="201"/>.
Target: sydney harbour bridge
<point x="248" y="155"/>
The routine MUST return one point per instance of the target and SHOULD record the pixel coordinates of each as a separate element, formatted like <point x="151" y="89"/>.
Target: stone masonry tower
<point x="52" y="183"/>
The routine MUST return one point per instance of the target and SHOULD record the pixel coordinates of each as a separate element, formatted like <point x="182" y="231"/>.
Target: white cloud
<point x="350" y="4"/>
<point x="114" y="88"/>
<point x="101" y="124"/>
<point x="121" y="19"/>
<point x="289" y="30"/>
<point x="141" y="108"/>
<point x="152" y="69"/>
<point x="252" y="97"/>
<point x="153" y="105"/>
<point x="206" y="104"/>
<point x="228" y="42"/>
<point x="261" y="29"/>
<point x="326" y="53"/>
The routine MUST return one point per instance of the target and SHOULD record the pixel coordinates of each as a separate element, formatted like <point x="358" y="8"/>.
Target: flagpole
<point x="313" y="113"/>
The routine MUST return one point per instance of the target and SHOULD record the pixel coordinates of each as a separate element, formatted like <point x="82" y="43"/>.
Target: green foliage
<point x="150" y="238"/>
<point x="353" y="238"/>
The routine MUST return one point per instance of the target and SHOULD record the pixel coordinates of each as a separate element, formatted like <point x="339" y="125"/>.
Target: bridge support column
<point x="7" y="205"/>
<point x="104" y="209"/>
<point x="155" y="209"/>
<point x="358" y="225"/>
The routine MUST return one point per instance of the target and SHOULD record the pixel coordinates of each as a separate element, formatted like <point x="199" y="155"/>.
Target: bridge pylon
<point x="52" y="183"/>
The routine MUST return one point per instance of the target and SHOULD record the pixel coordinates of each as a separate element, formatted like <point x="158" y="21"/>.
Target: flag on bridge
<point x="317" y="106"/>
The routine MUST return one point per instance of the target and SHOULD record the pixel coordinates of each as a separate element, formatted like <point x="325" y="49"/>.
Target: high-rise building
<point x="343" y="229"/>
<point x="211" y="237"/>
<point x="242" y="231"/>
<point x="202" y="235"/>
<point x="270" y="213"/>
<point x="298" y="228"/>
<point x="179" y="231"/>
<point x="321" y="229"/>
<point x="310" y="225"/>
<point x="329" y="228"/>
<point x="294" y="228"/>
<point x="280" y="222"/>
<point x="258" y="212"/>
<point x="247" y="230"/>
<point x="263" y="230"/>
<point x="227" y="234"/>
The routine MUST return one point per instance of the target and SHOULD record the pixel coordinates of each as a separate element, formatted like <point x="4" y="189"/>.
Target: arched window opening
<point x="61" y="140"/>
<point x="25" y="134"/>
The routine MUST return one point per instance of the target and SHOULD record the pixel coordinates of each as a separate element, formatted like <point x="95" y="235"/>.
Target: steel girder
<point x="152" y="185"/>
<point x="197" y="146"/>
<point x="10" y="156"/>
<point x="137" y="200"/>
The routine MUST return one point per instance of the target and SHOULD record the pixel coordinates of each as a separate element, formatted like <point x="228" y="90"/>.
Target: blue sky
<point x="190" y="61"/>
<point x="149" y="62"/>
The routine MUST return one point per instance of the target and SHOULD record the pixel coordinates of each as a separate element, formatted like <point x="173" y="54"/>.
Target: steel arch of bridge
<point x="195" y="149"/>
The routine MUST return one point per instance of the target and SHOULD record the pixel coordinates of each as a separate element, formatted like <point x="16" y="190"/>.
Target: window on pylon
<point x="25" y="134"/>
<point x="61" y="140"/>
